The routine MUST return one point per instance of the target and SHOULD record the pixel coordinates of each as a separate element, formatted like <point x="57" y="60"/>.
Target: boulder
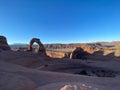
<point x="78" y="87"/>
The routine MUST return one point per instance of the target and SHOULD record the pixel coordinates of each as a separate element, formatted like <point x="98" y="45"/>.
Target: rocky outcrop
<point x="90" y="48"/>
<point x="79" y="53"/>
<point x="40" y="47"/>
<point x="3" y="43"/>
<point x="64" y="50"/>
<point x="78" y="87"/>
<point x="55" y="54"/>
<point x="72" y="45"/>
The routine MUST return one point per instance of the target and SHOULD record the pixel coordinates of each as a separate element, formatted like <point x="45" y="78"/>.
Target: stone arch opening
<point x="35" y="47"/>
<point x="39" y="47"/>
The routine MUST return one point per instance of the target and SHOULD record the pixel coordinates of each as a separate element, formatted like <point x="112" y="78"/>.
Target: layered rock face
<point x="55" y="54"/>
<point x="3" y="43"/>
<point x="64" y="50"/>
<point x="90" y="48"/>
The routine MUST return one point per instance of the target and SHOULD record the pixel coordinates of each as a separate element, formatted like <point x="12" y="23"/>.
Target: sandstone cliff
<point x="3" y="43"/>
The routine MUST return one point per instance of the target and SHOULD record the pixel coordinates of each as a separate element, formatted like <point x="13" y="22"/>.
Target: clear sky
<point x="60" y="21"/>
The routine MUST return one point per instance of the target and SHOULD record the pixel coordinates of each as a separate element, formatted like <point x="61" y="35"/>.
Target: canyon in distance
<point x="75" y="66"/>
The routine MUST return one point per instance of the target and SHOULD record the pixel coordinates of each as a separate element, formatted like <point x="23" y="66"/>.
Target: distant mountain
<point x="73" y="45"/>
<point x="114" y="43"/>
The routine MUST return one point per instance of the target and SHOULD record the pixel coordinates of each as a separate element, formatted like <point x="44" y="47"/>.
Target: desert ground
<point x="31" y="70"/>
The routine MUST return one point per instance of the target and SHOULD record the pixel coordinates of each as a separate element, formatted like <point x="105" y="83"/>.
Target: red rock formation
<point x="40" y="47"/>
<point x="3" y="43"/>
<point x="90" y="48"/>
<point x="79" y="53"/>
<point x="54" y="54"/>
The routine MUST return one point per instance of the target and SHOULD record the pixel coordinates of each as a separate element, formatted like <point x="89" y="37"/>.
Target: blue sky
<point x="60" y="21"/>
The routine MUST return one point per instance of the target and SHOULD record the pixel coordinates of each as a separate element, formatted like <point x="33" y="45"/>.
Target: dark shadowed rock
<point x="3" y="43"/>
<point x="79" y="53"/>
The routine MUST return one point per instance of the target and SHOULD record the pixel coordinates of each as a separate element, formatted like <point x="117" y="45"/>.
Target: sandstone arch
<point x="3" y="43"/>
<point x="79" y="53"/>
<point x="40" y="47"/>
